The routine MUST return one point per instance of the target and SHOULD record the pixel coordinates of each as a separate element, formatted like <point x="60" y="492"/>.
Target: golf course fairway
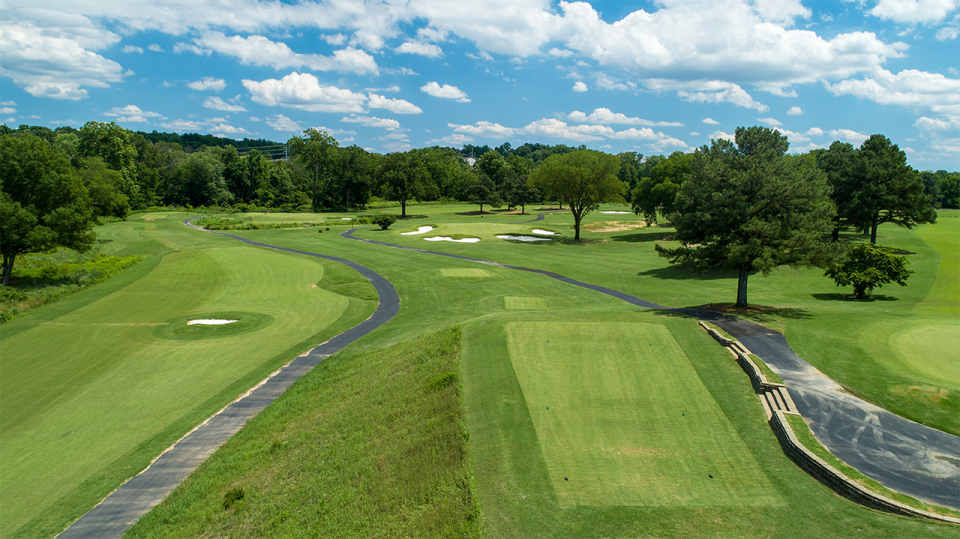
<point x="90" y="397"/>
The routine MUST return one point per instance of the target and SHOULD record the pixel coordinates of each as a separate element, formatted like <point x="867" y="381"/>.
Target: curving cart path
<point x="900" y="454"/>
<point x="136" y="497"/>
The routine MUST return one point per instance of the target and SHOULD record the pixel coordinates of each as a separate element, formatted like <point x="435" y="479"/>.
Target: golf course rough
<point x="623" y="419"/>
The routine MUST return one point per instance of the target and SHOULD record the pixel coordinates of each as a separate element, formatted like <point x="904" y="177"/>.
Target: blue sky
<point x="652" y="77"/>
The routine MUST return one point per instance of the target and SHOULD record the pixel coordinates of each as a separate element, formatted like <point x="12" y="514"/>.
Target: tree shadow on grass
<point x="761" y="314"/>
<point x="642" y="237"/>
<point x="676" y="273"/>
<point x="837" y="296"/>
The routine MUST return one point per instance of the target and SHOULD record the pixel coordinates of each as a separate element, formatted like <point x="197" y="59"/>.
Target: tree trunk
<point x="836" y="234"/>
<point x="8" y="267"/>
<point x="523" y="208"/>
<point x="873" y="230"/>
<point x="481" y="210"/>
<point x="403" y="207"/>
<point x="742" y="285"/>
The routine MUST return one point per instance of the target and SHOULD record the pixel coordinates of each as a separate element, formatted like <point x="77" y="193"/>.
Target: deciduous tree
<point x="867" y="266"/>
<point x="583" y="179"/>
<point x="43" y="203"/>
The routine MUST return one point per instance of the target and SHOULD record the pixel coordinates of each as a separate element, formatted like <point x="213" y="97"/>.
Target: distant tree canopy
<point x="125" y="171"/>
<point x="658" y="191"/>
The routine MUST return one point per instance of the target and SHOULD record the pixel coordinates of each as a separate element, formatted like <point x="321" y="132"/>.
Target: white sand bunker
<point x="210" y="322"/>
<point x="346" y="218"/>
<point x="447" y="238"/>
<point x="616" y="212"/>
<point x="522" y="238"/>
<point x="545" y="232"/>
<point x="421" y="230"/>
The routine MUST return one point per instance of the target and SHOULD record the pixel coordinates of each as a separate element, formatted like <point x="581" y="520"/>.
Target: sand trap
<point x="616" y="212"/>
<point x="545" y="232"/>
<point x="421" y="230"/>
<point x="210" y="322"/>
<point x="447" y="238"/>
<point x="523" y="238"/>
<point x="346" y="218"/>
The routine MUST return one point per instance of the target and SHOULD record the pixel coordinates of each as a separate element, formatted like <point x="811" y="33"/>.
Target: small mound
<point x="421" y="230"/>
<point x="210" y="322"/>
<point x="624" y="212"/>
<point x="447" y="238"/>
<point x="522" y="238"/>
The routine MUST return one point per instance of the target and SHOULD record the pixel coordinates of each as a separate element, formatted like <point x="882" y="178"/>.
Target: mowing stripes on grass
<point x="623" y="419"/>
<point x="522" y="303"/>
<point x="464" y="272"/>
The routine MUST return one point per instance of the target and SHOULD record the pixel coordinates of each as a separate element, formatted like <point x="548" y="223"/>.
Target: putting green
<point x="464" y="272"/>
<point x="933" y="349"/>
<point x="622" y="418"/>
<point x="944" y="295"/>
<point x="522" y="303"/>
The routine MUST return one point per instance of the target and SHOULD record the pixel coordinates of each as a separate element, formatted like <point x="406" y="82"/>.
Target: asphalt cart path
<point x="900" y="454"/>
<point x="136" y="497"/>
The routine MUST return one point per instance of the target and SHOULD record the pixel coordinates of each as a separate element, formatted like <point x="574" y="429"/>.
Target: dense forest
<point x="126" y="171"/>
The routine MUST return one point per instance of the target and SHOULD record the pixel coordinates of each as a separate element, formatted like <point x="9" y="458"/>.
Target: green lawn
<point x="623" y="419"/>
<point x="96" y="391"/>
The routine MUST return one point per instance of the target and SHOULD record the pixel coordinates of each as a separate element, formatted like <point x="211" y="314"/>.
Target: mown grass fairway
<point x="623" y="419"/>
<point x="90" y="396"/>
<point x="520" y="303"/>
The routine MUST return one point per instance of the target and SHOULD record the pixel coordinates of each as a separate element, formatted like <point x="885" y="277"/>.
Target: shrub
<point x="384" y="221"/>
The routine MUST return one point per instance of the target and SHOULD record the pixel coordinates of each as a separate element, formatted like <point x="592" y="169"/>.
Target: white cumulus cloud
<point x="916" y="90"/>
<point x="208" y="83"/>
<point x="261" y="51"/>
<point x="279" y="122"/>
<point x="606" y="116"/>
<point x="446" y="91"/>
<point x="303" y="91"/>
<point x="423" y="49"/>
<point x="396" y="106"/>
<point x="132" y="113"/>
<point x="372" y="121"/>
<point x="132" y="49"/>
<point x="914" y="11"/>
<point x="579" y="86"/>
<point x="795" y="111"/>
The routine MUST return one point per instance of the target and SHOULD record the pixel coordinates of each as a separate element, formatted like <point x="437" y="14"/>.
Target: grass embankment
<point x="39" y="279"/>
<point x="94" y="387"/>
<point x="371" y="444"/>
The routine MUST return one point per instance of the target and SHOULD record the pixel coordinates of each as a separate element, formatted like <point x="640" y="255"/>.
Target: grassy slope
<point x="371" y="444"/>
<point x="90" y="395"/>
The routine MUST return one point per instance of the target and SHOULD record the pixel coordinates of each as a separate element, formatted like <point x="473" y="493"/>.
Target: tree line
<point x="54" y="180"/>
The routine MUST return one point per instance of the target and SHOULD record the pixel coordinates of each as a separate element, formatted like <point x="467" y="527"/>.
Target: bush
<point x="870" y="266"/>
<point x="384" y="221"/>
